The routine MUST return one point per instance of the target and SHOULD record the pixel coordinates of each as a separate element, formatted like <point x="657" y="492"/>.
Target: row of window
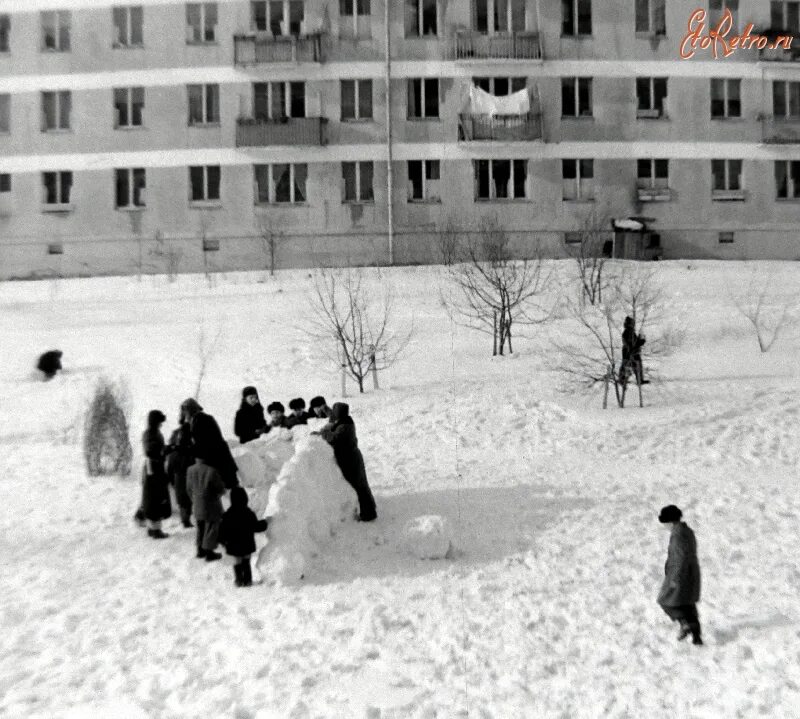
<point x="285" y="183"/>
<point x="421" y="18"/>
<point x="277" y="100"/>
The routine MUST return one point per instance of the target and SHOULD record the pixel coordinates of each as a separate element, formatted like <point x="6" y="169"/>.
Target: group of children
<point x="198" y="463"/>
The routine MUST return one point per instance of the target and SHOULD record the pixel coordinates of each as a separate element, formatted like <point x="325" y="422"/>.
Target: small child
<point x="238" y="526"/>
<point x="298" y="414"/>
<point x="277" y="418"/>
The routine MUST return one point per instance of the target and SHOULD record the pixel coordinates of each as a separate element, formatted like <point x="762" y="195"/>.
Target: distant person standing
<point x="156" y="504"/>
<point x="632" y="344"/>
<point x="180" y="456"/>
<point x="206" y="488"/>
<point x="249" y="423"/>
<point x="680" y="591"/>
<point x="209" y="442"/>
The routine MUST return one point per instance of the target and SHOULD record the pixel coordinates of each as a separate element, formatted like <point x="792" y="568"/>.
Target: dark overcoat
<point x="206" y="488"/>
<point x="212" y="447"/>
<point x="237" y="530"/>
<point x="180" y="456"/>
<point x="249" y="422"/>
<point x="682" y="570"/>
<point x="156" y="503"/>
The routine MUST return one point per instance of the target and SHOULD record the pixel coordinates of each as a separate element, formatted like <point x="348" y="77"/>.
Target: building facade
<point x="238" y="134"/>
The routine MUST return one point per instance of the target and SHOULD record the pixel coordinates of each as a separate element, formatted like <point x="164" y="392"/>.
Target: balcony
<point x="310" y="131"/>
<point x="266" y="49"/>
<point x="520" y="45"/>
<point x="500" y="128"/>
<point x="780" y="130"/>
<point x="776" y="50"/>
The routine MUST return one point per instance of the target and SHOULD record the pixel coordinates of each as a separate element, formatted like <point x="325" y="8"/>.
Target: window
<point x="5" y="182"/>
<point x="499" y="16"/>
<point x="576" y="17"/>
<point x="203" y="104"/>
<point x="785" y="15"/>
<point x="279" y="17"/>
<point x="201" y="22"/>
<point x="423" y="181"/>
<point x="356" y="99"/>
<point x="725" y="238"/>
<point x="726" y="175"/>
<point x="57" y="188"/>
<point x="725" y="98"/>
<point x="576" y="97"/>
<point x="354" y="18"/>
<point x="210" y="245"/>
<point x="577" y="179"/>
<point x="281" y="183"/>
<point x="357" y="177"/>
<point x="56" y="109"/>
<point x="55" y="248"/>
<point x="423" y="98"/>
<point x="500" y="179"/>
<point x="128" y="23"/>
<point x="5" y="112"/>
<point x="204" y="183"/>
<point x="652" y="174"/>
<point x="650" y="95"/>
<point x="500" y="86"/>
<point x="55" y="30"/>
<point x="787" y="179"/>
<point x="651" y="17"/>
<point x="421" y="18"/>
<point x="276" y="100"/>
<point x="717" y="8"/>
<point x="128" y="106"/>
<point x="786" y="99"/>
<point x="130" y="188"/>
<point x="5" y="32"/>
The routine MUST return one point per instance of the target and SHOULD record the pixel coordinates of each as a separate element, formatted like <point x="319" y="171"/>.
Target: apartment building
<point x="236" y="134"/>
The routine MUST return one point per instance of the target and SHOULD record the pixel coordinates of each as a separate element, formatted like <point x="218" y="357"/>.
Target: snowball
<point x="306" y="504"/>
<point x="427" y="537"/>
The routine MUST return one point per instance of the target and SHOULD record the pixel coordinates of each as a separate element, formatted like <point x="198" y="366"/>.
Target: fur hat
<point x="155" y="417"/>
<point x="275" y="407"/>
<point x="297" y="403"/>
<point x="238" y="496"/>
<point x="629" y="322"/>
<point x="317" y="401"/>
<point x="670" y="513"/>
<point x="247" y="391"/>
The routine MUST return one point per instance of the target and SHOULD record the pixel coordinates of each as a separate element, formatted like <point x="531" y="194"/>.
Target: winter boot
<point x="684" y="632"/>
<point x="237" y="573"/>
<point x="201" y="554"/>
<point x="695" y="630"/>
<point x="247" y="574"/>
<point x="157" y="534"/>
<point x="212" y="556"/>
<point x="139" y="517"/>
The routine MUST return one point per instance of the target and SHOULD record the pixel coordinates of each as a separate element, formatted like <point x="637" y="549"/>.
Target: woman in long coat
<point x="680" y="591"/>
<point x="340" y="433"/>
<point x="156" y="503"/>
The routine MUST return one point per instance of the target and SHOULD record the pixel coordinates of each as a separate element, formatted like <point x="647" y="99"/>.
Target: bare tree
<point x="764" y="307"/>
<point x="592" y="353"/>
<point x="448" y="239"/>
<point x="491" y="292"/>
<point x="590" y="260"/>
<point x="207" y="346"/>
<point x="207" y="245"/>
<point x="270" y="240"/>
<point x="354" y="324"/>
<point x="168" y="255"/>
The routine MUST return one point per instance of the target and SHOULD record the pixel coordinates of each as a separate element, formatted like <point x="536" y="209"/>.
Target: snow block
<point x="309" y="500"/>
<point x="260" y="462"/>
<point x="428" y="537"/>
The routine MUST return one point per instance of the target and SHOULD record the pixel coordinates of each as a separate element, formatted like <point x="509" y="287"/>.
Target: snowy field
<point x="547" y="607"/>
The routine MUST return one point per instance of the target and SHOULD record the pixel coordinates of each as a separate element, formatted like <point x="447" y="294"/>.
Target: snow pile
<point x="428" y="537"/>
<point x="307" y="502"/>
<point x="260" y="462"/>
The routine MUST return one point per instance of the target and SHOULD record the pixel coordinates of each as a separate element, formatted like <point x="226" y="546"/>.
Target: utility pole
<point x="389" y="178"/>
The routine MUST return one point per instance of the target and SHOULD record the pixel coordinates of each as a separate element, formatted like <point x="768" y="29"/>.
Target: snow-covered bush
<point x="106" y="439"/>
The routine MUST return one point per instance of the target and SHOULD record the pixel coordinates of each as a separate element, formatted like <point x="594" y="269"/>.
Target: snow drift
<point x="309" y="500"/>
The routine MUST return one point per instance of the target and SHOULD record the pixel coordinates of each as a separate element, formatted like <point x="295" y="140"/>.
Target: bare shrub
<point x="491" y="292"/>
<point x="106" y="438"/>
<point x="765" y="307"/>
<point x="355" y="324"/>
<point x="270" y="240"/>
<point x="167" y="255"/>
<point x="590" y="261"/>
<point x="207" y="346"/>
<point x="447" y="240"/>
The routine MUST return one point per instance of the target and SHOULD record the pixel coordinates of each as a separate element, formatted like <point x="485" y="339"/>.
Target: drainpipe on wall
<point x="389" y="178"/>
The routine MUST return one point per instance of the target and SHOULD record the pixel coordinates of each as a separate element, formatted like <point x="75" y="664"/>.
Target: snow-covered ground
<point x="545" y="608"/>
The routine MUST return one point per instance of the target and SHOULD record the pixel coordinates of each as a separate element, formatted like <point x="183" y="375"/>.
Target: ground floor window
<point x="501" y="179"/>
<point x="204" y="183"/>
<point x="130" y="188"/>
<point x="423" y="181"/>
<point x="358" y="180"/>
<point x="57" y="188"/>
<point x="281" y="183"/>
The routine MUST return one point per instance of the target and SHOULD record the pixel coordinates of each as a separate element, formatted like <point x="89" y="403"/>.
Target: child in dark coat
<point x="277" y="418"/>
<point x="156" y="504"/>
<point x="249" y="423"/>
<point x="236" y="533"/>
<point x="298" y="415"/>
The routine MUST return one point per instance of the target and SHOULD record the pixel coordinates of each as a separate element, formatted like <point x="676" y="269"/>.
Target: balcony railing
<point x="502" y="128"/>
<point x="776" y="50"/>
<point x="286" y="131"/>
<point x="521" y="45"/>
<point x="780" y="130"/>
<point x="258" y="49"/>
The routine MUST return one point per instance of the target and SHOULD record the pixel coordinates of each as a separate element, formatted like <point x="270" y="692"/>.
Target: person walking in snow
<point x="206" y="488"/>
<point x="340" y="433"/>
<point x="249" y="423"/>
<point x="680" y="591"/>
<point x="156" y="504"/>
<point x="298" y="415"/>
<point x="209" y="442"/>
<point x="237" y="534"/>
<point x="632" y="352"/>
<point x="180" y="456"/>
<point x="277" y="418"/>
